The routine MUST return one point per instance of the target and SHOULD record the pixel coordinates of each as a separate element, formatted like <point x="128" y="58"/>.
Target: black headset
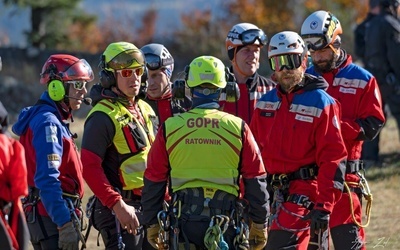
<point x="107" y="78"/>
<point x="231" y="89"/>
<point x="55" y="86"/>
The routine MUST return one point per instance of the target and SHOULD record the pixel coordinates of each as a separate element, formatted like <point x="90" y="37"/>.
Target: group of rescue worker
<point x="222" y="158"/>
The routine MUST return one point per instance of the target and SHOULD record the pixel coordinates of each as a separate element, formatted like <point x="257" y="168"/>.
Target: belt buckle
<point x="306" y="173"/>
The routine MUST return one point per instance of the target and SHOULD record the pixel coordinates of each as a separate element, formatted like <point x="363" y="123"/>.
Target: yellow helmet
<point x="206" y="69"/>
<point x="122" y="55"/>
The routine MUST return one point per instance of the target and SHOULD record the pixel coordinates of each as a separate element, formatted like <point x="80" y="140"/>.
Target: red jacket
<point x="358" y="94"/>
<point x="302" y="128"/>
<point x="13" y="185"/>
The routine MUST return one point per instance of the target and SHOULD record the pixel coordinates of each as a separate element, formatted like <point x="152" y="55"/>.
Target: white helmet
<point x="286" y="42"/>
<point x="243" y="34"/>
<point x="286" y="49"/>
<point x="321" y="29"/>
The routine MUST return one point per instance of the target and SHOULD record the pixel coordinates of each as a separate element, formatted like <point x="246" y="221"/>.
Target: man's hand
<point x="68" y="237"/>
<point x="126" y="216"/>
<point x="319" y="221"/>
<point x="152" y="235"/>
<point x="258" y="236"/>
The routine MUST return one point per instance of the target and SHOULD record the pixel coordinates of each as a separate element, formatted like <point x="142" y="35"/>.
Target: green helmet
<point x="206" y="69"/>
<point x="122" y="55"/>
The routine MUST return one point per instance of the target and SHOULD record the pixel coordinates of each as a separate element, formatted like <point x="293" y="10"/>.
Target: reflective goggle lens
<point x="126" y="59"/>
<point x="153" y="62"/>
<point x="126" y="73"/>
<point x="315" y="42"/>
<point x="250" y="37"/>
<point x="78" y="85"/>
<point x="80" y="70"/>
<point x="291" y="61"/>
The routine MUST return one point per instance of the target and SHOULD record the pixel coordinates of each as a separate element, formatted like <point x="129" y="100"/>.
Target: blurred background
<point x="31" y="30"/>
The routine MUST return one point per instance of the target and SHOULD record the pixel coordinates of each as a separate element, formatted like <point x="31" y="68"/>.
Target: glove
<point x="319" y="221"/>
<point x="152" y="235"/>
<point x="258" y="236"/>
<point x="68" y="237"/>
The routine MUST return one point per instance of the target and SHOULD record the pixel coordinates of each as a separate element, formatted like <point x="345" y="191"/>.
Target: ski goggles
<point x="78" y="85"/>
<point x="250" y="36"/>
<point x="315" y="42"/>
<point x="127" y="73"/>
<point x="154" y="62"/>
<point x="126" y="59"/>
<point x="289" y="61"/>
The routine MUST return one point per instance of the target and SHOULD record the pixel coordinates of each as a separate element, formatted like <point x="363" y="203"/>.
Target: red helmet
<point x="65" y="68"/>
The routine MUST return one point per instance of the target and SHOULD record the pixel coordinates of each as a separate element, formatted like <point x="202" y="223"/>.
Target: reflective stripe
<point x="306" y="110"/>
<point x="268" y="105"/>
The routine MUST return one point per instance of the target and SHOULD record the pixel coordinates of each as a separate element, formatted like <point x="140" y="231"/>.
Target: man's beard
<point x="294" y="79"/>
<point x="326" y="67"/>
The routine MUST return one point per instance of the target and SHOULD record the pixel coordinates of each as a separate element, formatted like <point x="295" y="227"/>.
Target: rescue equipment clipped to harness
<point x="214" y="239"/>
<point x="366" y="192"/>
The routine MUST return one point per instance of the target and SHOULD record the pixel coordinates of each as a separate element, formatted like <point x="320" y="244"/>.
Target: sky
<point x="14" y="21"/>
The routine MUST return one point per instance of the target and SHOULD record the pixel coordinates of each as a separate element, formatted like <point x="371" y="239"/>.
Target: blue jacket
<point x="53" y="162"/>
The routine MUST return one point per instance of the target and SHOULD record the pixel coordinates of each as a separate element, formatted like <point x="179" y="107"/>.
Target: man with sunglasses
<point x="361" y="120"/>
<point x="296" y="126"/>
<point x="243" y="44"/>
<point x="54" y="166"/>
<point x="117" y="137"/>
<point x="160" y="65"/>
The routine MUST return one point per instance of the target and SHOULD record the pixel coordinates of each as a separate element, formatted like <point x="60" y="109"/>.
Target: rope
<point x="367" y="195"/>
<point x="214" y="239"/>
<point x="241" y="240"/>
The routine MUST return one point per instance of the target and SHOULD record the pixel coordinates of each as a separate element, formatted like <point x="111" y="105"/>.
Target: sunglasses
<point x="78" y="85"/>
<point x="289" y="61"/>
<point x="154" y="62"/>
<point x="127" y="73"/>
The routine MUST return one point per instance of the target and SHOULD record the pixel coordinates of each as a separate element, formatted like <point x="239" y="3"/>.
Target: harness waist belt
<point x="307" y="172"/>
<point x="301" y="200"/>
<point x="354" y="166"/>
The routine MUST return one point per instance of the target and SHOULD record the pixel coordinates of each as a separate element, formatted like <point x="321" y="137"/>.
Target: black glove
<point x="319" y="220"/>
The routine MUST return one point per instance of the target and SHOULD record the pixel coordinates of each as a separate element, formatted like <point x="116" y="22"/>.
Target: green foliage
<point x="51" y="21"/>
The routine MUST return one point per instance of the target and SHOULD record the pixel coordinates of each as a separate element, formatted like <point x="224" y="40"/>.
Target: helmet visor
<point x="154" y="62"/>
<point x="315" y="42"/>
<point x="126" y="59"/>
<point x="251" y="36"/>
<point x="289" y="61"/>
<point x="80" y="70"/>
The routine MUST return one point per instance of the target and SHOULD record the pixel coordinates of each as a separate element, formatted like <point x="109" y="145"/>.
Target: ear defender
<point x="179" y="86"/>
<point x="231" y="90"/>
<point x="106" y="77"/>
<point x="56" y="90"/>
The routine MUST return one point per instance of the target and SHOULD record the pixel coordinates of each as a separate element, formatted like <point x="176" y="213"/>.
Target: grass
<point x="383" y="231"/>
